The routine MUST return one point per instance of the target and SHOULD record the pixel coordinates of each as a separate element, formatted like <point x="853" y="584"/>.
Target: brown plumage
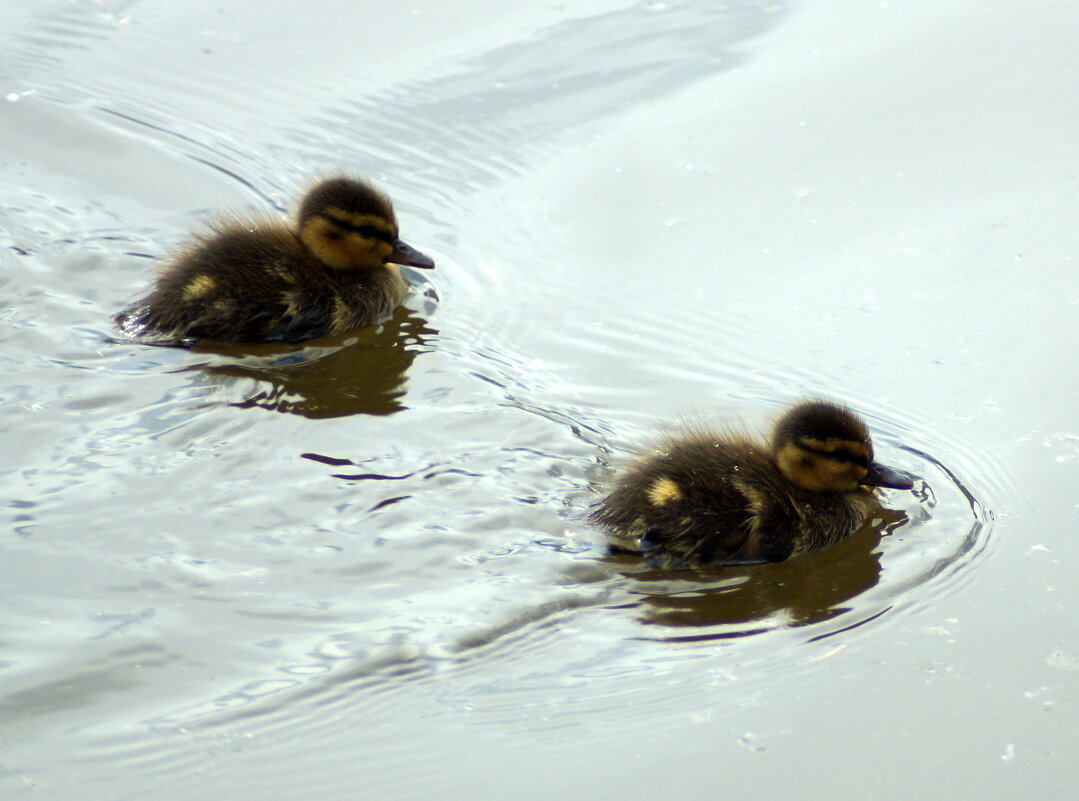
<point x="250" y="280"/>
<point x="710" y="498"/>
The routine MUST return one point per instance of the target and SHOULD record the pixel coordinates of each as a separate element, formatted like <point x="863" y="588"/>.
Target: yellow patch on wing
<point x="198" y="287"/>
<point x="756" y="500"/>
<point x="283" y="272"/>
<point x="291" y="299"/>
<point x="664" y="490"/>
<point x="342" y="315"/>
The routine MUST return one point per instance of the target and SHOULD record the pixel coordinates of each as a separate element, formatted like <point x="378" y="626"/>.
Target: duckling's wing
<point x="256" y="319"/>
<point x="697" y="532"/>
<point x="305" y="321"/>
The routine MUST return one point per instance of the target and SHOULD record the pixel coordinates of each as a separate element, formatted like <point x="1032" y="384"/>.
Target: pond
<point x="360" y="566"/>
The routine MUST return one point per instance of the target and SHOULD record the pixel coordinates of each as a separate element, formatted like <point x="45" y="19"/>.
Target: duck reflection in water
<point x="798" y="592"/>
<point x="363" y="372"/>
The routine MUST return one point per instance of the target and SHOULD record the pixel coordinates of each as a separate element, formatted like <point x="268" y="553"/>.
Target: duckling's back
<point x="711" y="498"/>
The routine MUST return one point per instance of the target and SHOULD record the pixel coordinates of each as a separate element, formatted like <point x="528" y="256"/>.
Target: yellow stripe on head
<point x="834" y="444"/>
<point x="352" y="220"/>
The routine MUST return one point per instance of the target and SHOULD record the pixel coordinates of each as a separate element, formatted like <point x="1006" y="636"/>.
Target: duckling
<point x="710" y="498"/>
<point x="251" y="280"/>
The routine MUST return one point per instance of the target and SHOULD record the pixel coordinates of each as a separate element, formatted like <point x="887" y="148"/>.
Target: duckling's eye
<point x="366" y="231"/>
<point x="838" y="454"/>
<point x="334" y="235"/>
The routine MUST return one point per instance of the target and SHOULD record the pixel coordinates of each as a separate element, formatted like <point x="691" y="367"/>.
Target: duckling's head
<point x="350" y="225"/>
<point x="825" y="447"/>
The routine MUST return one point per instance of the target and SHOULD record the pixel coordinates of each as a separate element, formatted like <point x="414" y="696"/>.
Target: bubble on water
<point x="1064" y="660"/>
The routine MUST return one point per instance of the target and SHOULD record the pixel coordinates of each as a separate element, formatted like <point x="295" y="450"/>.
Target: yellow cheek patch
<point x="365" y="254"/>
<point x="322" y="238"/>
<point x="199" y="286"/>
<point x="341" y="248"/>
<point x="664" y="490"/>
<point x="818" y="473"/>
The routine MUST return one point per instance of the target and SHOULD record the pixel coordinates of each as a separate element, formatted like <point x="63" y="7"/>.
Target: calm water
<point x="358" y="568"/>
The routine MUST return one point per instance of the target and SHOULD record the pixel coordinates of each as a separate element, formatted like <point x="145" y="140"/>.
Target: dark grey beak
<point x="881" y="476"/>
<point x="406" y="254"/>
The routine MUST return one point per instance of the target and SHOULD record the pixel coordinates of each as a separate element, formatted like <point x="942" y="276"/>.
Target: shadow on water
<point x="363" y="372"/>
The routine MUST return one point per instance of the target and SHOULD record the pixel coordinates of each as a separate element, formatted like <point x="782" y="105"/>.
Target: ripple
<point x="401" y="541"/>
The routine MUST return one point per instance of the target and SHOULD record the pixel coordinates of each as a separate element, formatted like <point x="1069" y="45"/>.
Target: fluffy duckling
<point x="260" y="280"/>
<point x="705" y="497"/>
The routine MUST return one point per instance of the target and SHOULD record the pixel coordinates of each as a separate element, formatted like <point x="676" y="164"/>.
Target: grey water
<point x="360" y="567"/>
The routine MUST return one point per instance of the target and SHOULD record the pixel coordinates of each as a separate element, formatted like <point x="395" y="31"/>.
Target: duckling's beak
<point x="881" y="476"/>
<point x="406" y="254"/>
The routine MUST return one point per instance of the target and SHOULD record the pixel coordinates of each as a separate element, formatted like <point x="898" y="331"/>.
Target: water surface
<point x="360" y="566"/>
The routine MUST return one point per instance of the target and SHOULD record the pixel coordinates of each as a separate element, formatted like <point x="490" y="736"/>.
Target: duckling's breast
<point x="825" y="519"/>
<point x="366" y="298"/>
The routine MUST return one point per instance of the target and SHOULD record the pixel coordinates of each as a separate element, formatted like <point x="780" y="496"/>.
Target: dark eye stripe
<point x="367" y="231"/>
<point x="839" y="454"/>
